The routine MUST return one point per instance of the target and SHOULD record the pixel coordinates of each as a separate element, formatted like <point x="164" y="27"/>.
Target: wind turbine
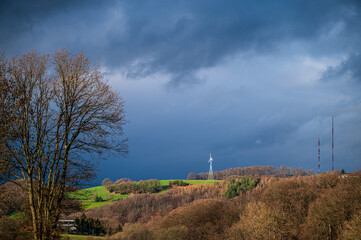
<point x="210" y="174"/>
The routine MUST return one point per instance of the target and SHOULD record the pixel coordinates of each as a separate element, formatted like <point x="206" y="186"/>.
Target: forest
<point x="323" y="206"/>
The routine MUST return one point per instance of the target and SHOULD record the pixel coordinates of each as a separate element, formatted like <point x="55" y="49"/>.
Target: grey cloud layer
<point x="179" y="37"/>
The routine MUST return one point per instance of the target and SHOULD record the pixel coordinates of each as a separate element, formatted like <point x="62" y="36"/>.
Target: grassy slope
<point x="86" y="195"/>
<point x="80" y="237"/>
<point x="196" y="182"/>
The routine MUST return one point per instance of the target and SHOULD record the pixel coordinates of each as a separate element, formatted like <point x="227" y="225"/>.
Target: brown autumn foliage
<point x="334" y="206"/>
<point x="142" y="208"/>
<point x="289" y="198"/>
<point x="204" y="219"/>
<point x="13" y="202"/>
<point x="255" y="171"/>
<point x="15" y="229"/>
<point x="324" y="206"/>
<point x="137" y="208"/>
<point x="178" y="232"/>
<point x="258" y="221"/>
<point x="123" y="180"/>
<point x="302" y="208"/>
<point x="12" y="198"/>
<point x="147" y="186"/>
<point x="214" y="190"/>
<point x="352" y="228"/>
<point x="15" y="217"/>
<point x="327" y="180"/>
<point x="134" y="231"/>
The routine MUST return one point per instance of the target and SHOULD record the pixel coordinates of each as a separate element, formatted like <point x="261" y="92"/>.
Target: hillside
<point x="99" y="196"/>
<point x="324" y="206"/>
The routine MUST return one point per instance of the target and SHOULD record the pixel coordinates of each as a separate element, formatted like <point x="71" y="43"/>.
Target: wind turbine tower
<point x="210" y="174"/>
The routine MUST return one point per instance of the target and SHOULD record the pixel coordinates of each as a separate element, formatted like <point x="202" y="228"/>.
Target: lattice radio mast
<point x="319" y="155"/>
<point x="210" y="174"/>
<point x="333" y="144"/>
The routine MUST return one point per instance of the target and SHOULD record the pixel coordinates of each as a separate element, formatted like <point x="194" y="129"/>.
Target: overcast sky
<point x="252" y="82"/>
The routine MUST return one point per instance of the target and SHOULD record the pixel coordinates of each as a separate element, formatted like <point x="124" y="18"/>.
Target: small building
<point x="68" y="226"/>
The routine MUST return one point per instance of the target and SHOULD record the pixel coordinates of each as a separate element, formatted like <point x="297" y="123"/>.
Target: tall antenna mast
<point x="210" y="174"/>
<point x="319" y="154"/>
<point x="333" y="144"/>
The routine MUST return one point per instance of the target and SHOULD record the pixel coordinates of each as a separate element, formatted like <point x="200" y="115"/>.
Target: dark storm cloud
<point x="17" y="17"/>
<point x="178" y="37"/>
<point x="184" y="37"/>
<point x="349" y="69"/>
<point x="260" y="101"/>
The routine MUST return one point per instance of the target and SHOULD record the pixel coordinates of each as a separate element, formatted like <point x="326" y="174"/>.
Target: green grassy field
<point x="87" y="195"/>
<point x="80" y="237"/>
<point x="88" y="205"/>
<point x="196" y="182"/>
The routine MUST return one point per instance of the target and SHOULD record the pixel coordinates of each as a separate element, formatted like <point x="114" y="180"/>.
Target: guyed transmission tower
<point x="319" y="155"/>
<point x="210" y="174"/>
<point x="333" y="145"/>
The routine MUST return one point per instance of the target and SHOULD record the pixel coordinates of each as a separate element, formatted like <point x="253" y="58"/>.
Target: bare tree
<point x="7" y="104"/>
<point x="64" y="112"/>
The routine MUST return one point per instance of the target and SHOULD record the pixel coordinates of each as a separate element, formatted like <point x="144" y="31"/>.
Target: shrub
<point x="328" y="213"/>
<point x="123" y="180"/>
<point x="327" y="180"/>
<point x="236" y="186"/>
<point x="191" y="176"/>
<point x="178" y="183"/>
<point x="352" y="229"/>
<point x="203" y="219"/>
<point x="17" y="229"/>
<point x="97" y="198"/>
<point x="179" y="232"/>
<point x="89" y="226"/>
<point x="259" y="222"/>
<point x="290" y="199"/>
<point x="136" y="231"/>
<point x="106" y="182"/>
<point x="148" y="186"/>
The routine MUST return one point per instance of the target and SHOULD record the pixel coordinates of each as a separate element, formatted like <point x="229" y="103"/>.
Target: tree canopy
<point x="56" y="112"/>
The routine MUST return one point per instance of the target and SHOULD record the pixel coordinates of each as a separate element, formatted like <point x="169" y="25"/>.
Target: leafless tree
<point x="62" y="112"/>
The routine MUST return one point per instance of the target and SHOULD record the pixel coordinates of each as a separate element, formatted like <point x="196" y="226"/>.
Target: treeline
<point x="324" y="206"/>
<point x="15" y="217"/>
<point x="179" y="183"/>
<point x="257" y="171"/>
<point x="236" y="186"/>
<point x="148" y="186"/>
<point x="89" y="226"/>
<point x="226" y="189"/>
